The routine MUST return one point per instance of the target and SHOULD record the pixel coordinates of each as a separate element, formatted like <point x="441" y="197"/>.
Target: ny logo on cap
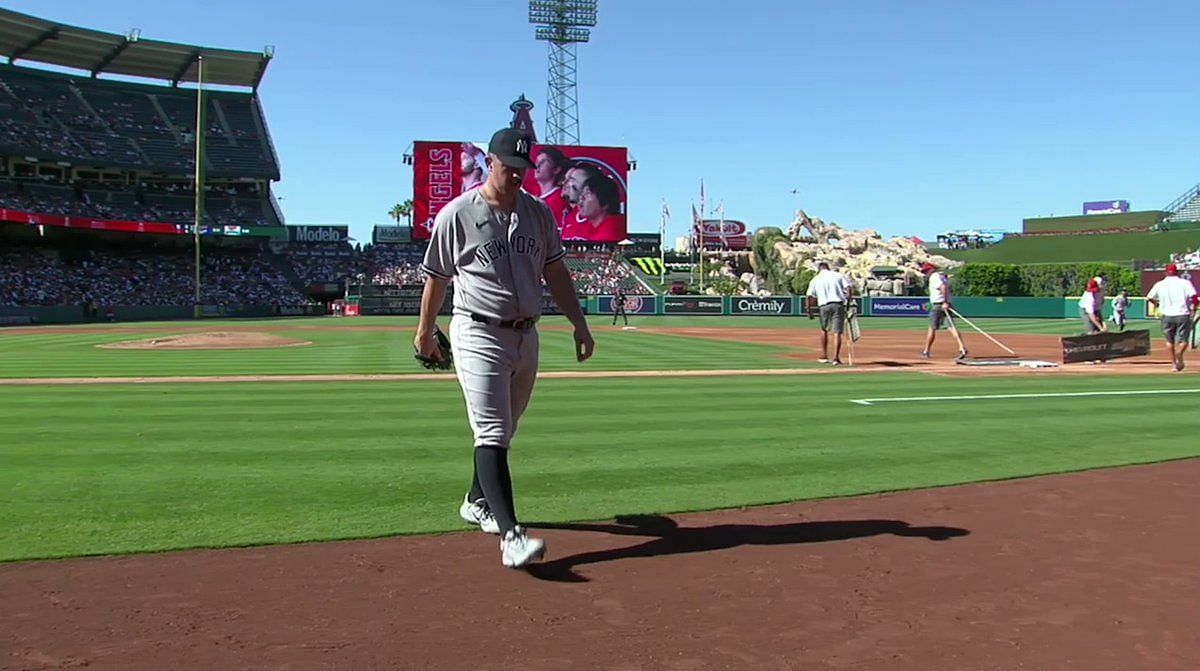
<point x="522" y="146"/>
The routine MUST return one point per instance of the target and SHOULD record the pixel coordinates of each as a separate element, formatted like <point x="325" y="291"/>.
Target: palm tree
<point x="404" y="209"/>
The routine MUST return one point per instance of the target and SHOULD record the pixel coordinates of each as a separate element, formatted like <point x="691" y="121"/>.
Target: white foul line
<point x="1139" y="392"/>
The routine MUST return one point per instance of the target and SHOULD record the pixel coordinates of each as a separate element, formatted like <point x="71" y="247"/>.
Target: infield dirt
<point x="1091" y="571"/>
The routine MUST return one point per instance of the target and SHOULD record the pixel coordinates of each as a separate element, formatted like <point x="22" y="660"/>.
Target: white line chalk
<point x="1136" y="392"/>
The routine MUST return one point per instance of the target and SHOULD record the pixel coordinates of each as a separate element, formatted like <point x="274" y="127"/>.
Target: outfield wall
<point x="740" y="306"/>
<point x="1093" y="222"/>
<point x="1013" y="307"/>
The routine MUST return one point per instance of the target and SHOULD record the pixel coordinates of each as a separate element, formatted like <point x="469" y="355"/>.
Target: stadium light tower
<point x="562" y="24"/>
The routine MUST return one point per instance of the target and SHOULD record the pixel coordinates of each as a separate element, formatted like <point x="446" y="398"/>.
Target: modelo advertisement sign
<point x="586" y="188"/>
<point x="692" y="305"/>
<point x="318" y="234"/>
<point x="765" y="306"/>
<point x="911" y="306"/>
<point x="634" y="305"/>
<point x="1106" y="207"/>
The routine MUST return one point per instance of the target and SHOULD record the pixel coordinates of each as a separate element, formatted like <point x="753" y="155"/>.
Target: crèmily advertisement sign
<point x="767" y="306"/>
<point x="912" y="306"/>
<point x="692" y="305"/>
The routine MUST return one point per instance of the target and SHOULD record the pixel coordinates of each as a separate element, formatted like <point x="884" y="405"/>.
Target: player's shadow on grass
<point x="671" y="539"/>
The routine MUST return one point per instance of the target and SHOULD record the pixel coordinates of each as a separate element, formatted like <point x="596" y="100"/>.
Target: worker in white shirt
<point x="939" y="310"/>
<point x="1091" y="306"/>
<point x="1176" y="301"/>
<point x="831" y="291"/>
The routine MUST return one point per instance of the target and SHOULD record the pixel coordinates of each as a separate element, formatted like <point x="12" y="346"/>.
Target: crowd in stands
<point x="1189" y="260"/>
<point x="47" y="275"/>
<point x="965" y="240"/>
<point x="323" y="262"/>
<point x="122" y="205"/>
<point x="34" y="276"/>
<point x="59" y="116"/>
<point x="394" y="265"/>
<point x="602" y="274"/>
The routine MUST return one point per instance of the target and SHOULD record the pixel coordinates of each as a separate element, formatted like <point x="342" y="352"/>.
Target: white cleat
<point x="518" y="549"/>
<point x="476" y="513"/>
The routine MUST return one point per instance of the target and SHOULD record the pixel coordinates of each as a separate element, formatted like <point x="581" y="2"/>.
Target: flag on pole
<point x="701" y="235"/>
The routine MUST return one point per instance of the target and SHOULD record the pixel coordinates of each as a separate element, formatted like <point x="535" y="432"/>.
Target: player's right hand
<point x="584" y="344"/>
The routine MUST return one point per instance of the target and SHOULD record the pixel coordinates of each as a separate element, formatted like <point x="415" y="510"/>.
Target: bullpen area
<point x="283" y="494"/>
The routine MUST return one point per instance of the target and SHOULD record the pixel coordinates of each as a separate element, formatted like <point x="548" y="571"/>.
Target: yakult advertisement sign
<point x="1106" y="207"/>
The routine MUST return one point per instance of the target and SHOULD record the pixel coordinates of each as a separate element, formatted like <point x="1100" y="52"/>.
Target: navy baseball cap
<point x="512" y="147"/>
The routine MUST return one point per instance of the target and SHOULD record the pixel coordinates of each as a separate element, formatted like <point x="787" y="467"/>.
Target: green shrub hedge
<point x="1041" y="281"/>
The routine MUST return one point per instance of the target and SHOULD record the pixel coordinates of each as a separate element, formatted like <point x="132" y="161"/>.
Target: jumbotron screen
<point x="586" y="188"/>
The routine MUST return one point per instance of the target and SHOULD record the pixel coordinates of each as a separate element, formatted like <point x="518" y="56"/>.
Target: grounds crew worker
<point x="1175" y="299"/>
<point x="830" y="290"/>
<point x="939" y="310"/>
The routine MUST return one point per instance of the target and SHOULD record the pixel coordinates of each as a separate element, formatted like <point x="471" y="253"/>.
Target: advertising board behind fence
<point x="634" y="305"/>
<point x="910" y="306"/>
<point x="692" y="305"/>
<point x="766" y="306"/>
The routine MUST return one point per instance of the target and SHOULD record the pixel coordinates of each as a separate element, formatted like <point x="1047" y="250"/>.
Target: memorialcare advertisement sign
<point x="767" y="306"/>
<point x="1105" y="346"/>
<point x="912" y="306"/>
<point x="585" y="188"/>
<point x="634" y="305"/>
<point x="692" y="305"/>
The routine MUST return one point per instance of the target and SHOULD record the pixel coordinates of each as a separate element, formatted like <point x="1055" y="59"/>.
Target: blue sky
<point x="909" y="117"/>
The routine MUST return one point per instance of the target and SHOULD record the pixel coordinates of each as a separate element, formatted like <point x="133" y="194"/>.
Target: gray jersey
<point x="496" y="265"/>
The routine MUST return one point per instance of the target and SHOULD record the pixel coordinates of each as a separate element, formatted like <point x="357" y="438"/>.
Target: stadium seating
<point x="603" y="274"/>
<point x="39" y="275"/>
<point x="57" y="116"/>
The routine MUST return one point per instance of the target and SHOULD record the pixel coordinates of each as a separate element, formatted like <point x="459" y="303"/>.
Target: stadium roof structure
<point x="30" y="38"/>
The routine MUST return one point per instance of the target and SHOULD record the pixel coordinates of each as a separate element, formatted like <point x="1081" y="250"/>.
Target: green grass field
<point x="99" y="469"/>
<point x="1114" y="247"/>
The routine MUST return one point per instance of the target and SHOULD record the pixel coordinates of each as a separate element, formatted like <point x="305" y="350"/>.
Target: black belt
<point x="515" y="324"/>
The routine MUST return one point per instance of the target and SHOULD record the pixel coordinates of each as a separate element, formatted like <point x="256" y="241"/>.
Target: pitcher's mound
<point x="212" y="340"/>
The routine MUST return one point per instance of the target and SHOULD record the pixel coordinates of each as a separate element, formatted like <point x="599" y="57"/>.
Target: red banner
<point x="586" y="188"/>
<point x="438" y="175"/>
<point x="35" y="219"/>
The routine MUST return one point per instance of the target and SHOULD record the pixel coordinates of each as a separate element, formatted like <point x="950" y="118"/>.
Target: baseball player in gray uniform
<point x="497" y="243"/>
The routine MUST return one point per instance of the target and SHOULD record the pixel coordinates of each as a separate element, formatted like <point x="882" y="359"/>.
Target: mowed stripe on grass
<point x="127" y="468"/>
<point x="356" y="351"/>
<point x="363" y="346"/>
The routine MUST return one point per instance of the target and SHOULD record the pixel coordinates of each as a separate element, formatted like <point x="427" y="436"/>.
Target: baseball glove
<point x="447" y="355"/>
